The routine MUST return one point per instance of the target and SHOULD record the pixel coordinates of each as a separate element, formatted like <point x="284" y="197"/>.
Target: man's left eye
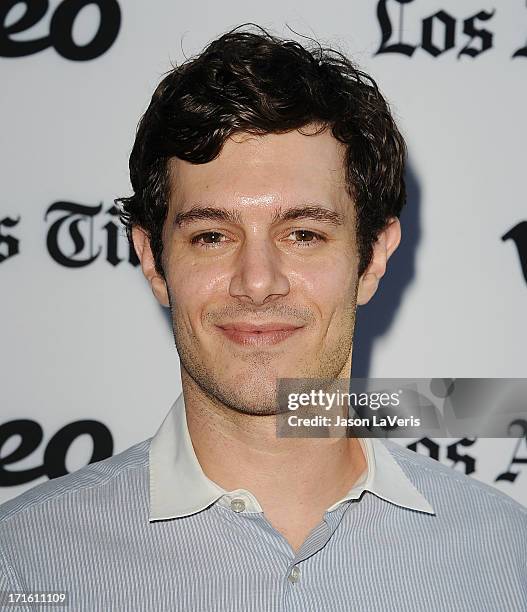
<point x="306" y="236"/>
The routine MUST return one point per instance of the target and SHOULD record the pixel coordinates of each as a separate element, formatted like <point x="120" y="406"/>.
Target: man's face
<point x="260" y="260"/>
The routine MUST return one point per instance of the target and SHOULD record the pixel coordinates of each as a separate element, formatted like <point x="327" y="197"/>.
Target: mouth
<point x="258" y="335"/>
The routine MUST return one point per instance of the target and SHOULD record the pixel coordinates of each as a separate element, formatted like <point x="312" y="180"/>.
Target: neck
<point x="241" y="451"/>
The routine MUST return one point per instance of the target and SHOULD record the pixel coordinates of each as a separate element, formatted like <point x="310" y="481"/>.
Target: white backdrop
<point x="87" y="341"/>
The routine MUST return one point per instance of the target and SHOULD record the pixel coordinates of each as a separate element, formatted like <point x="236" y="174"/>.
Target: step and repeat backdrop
<point x="88" y="363"/>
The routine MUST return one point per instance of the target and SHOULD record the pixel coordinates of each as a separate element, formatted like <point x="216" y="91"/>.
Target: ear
<point x="387" y="241"/>
<point x="144" y="253"/>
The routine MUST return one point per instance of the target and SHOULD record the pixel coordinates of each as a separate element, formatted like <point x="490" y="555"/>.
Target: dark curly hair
<point x="252" y="81"/>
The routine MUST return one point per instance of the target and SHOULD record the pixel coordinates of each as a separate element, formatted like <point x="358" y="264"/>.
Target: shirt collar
<point x="179" y="487"/>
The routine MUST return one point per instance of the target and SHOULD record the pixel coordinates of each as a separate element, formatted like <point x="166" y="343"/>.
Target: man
<point x="268" y="183"/>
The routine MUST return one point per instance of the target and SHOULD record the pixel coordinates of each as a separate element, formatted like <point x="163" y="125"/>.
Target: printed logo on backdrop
<point x="9" y="245"/>
<point x="14" y="21"/>
<point x="30" y="435"/>
<point x="76" y="237"/>
<point x="451" y="454"/>
<point x="440" y="31"/>
<point x="518" y="234"/>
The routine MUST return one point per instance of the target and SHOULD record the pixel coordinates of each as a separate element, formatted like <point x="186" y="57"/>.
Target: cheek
<point x="330" y="284"/>
<point x="195" y="288"/>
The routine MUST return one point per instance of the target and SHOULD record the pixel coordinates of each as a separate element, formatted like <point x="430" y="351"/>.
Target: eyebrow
<point x="209" y="213"/>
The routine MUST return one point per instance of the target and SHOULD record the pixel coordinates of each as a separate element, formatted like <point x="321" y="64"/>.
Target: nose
<point x="258" y="276"/>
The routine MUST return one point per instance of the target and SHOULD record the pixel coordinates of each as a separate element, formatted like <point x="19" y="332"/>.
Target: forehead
<point x="269" y="169"/>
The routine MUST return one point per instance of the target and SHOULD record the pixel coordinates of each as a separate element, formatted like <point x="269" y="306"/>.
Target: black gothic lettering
<point x="387" y="30"/>
<point x="430" y="445"/>
<point x="11" y="248"/>
<point x="468" y="461"/>
<point x="518" y="234"/>
<point x="113" y="230"/>
<point x="75" y="215"/>
<point x="449" y="33"/>
<point x="508" y="474"/>
<point x="470" y="29"/>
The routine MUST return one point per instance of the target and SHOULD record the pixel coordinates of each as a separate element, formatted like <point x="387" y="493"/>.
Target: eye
<point x="306" y="237"/>
<point x="207" y="240"/>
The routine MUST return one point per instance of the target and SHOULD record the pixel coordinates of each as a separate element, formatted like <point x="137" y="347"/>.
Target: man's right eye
<point x="207" y="239"/>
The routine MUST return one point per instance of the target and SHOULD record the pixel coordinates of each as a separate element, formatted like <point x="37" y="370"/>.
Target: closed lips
<point x="264" y="334"/>
<point x="266" y="327"/>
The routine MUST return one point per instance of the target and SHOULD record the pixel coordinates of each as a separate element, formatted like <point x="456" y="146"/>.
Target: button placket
<point x="294" y="574"/>
<point x="238" y="504"/>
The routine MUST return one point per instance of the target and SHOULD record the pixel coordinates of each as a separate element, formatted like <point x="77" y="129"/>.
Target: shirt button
<point x="294" y="574"/>
<point x="238" y="505"/>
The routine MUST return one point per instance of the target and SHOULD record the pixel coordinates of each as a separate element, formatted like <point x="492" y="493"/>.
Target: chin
<point x="251" y="399"/>
<point x="261" y="377"/>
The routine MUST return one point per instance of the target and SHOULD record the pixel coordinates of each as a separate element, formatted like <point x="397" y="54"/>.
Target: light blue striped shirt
<point x="147" y="530"/>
